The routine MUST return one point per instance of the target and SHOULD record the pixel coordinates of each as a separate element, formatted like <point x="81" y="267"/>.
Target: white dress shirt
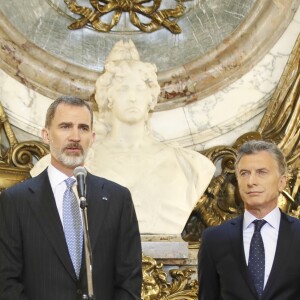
<point x="269" y="233"/>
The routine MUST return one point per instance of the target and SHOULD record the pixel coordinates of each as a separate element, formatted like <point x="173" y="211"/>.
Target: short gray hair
<point x="254" y="146"/>
<point x="69" y="100"/>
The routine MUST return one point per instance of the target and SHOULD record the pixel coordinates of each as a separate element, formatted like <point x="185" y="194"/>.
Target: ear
<point x="150" y="106"/>
<point x="282" y="183"/>
<point x="109" y="103"/>
<point x="45" y="135"/>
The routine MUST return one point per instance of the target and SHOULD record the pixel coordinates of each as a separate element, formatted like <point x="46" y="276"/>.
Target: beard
<point x="69" y="160"/>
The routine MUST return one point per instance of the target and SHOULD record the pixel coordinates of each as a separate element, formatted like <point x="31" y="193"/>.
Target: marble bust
<point x="165" y="182"/>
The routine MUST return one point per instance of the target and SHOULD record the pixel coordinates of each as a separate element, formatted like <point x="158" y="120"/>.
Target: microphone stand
<point x="87" y="251"/>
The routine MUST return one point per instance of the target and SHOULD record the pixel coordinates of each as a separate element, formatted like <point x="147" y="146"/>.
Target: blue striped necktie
<point x="256" y="263"/>
<point x="72" y="225"/>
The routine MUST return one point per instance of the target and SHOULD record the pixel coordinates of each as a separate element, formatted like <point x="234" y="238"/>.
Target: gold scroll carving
<point x="148" y="9"/>
<point x="155" y="284"/>
<point x="17" y="160"/>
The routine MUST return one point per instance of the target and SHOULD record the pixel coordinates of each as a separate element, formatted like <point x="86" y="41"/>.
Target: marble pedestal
<point x="171" y="251"/>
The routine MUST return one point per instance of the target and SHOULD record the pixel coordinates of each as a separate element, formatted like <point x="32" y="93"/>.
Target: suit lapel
<point x="45" y="210"/>
<point x="285" y="237"/>
<point x="236" y="237"/>
<point x="98" y="200"/>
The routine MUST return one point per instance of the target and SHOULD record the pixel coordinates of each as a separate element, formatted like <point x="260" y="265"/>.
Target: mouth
<point x="73" y="149"/>
<point x="133" y="108"/>
<point x="253" y="193"/>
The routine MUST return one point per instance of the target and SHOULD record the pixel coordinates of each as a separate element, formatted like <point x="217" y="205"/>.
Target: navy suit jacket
<point x="34" y="260"/>
<point x="222" y="268"/>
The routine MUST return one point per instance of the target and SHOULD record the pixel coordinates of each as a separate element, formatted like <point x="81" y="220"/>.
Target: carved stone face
<point x="129" y="97"/>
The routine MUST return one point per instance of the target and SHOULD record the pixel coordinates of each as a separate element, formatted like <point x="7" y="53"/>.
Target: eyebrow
<point x="263" y="169"/>
<point x="243" y="170"/>
<point x="259" y="169"/>
<point x="71" y="123"/>
<point x="84" y="125"/>
<point x="65" y="123"/>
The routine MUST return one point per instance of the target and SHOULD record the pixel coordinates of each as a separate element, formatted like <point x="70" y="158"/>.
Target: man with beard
<point x="41" y="255"/>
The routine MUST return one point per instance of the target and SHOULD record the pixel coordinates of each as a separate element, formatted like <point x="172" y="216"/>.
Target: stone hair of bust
<point x="122" y="59"/>
<point x="119" y="69"/>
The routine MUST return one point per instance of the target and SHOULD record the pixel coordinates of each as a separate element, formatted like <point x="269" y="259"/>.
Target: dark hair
<point x="69" y="100"/>
<point x="252" y="147"/>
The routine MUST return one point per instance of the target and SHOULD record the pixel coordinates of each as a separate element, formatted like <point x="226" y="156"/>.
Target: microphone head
<point x="80" y="171"/>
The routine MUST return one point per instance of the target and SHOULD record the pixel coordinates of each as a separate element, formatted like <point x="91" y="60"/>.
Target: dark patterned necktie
<point x="256" y="264"/>
<point x="72" y="225"/>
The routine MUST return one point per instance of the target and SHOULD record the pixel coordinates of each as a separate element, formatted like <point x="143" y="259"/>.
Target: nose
<point x="75" y="135"/>
<point x="132" y="95"/>
<point x="251" y="179"/>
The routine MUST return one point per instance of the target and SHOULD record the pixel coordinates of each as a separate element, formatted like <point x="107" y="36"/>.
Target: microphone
<point x="80" y="174"/>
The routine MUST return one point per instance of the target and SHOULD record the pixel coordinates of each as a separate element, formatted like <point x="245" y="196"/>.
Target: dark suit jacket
<point x="34" y="258"/>
<point x="222" y="268"/>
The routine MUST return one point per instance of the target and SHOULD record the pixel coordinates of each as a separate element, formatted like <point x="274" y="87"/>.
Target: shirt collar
<point x="56" y="177"/>
<point x="272" y="218"/>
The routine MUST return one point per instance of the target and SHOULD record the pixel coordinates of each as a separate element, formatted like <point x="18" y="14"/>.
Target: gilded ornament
<point x="17" y="160"/>
<point x="137" y="9"/>
<point x="155" y="284"/>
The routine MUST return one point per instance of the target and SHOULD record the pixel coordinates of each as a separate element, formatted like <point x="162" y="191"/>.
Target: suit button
<point x="79" y="292"/>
